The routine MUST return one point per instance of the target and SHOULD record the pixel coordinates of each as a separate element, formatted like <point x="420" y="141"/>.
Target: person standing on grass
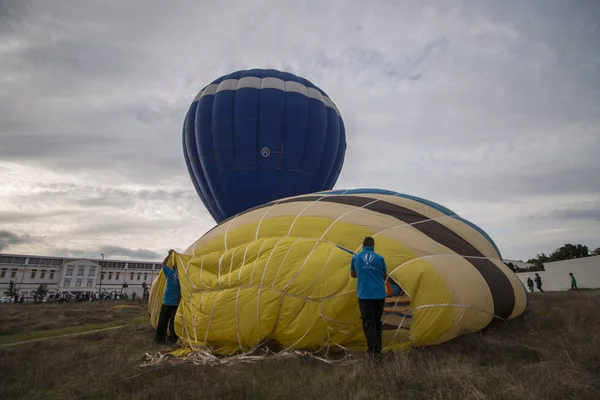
<point x="573" y="282"/>
<point x="171" y="299"/>
<point x="530" y="284"/>
<point x="370" y="271"/>
<point x="538" y="282"/>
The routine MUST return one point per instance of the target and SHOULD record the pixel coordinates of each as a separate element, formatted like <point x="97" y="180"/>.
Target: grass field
<point x="551" y="352"/>
<point x="30" y="321"/>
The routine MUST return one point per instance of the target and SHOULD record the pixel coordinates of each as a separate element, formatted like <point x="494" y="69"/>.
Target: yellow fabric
<point x="282" y="274"/>
<point x="155" y="299"/>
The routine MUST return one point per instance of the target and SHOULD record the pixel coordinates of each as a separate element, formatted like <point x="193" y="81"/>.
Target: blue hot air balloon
<point x="259" y="135"/>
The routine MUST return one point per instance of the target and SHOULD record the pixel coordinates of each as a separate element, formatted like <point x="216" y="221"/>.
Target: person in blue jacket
<point x="370" y="271"/>
<point x="170" y="303"/>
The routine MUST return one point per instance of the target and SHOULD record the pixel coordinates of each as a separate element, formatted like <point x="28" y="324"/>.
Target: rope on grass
<point x="206" y="358"/>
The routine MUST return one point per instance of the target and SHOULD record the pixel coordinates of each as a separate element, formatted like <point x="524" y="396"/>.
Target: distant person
<point x="530" y="284"/>
<point x="171" y="299"/>
<point x="370" y="270"/>
<point x="538" y="282"/>
<point x="573" y="282"/>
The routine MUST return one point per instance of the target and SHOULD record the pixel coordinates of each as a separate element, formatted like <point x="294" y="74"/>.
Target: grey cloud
<point x="479" y="103"/>
<point x="75" y="253"/>
<point x="21" y="216"/>
<point x="8" y="239"/>
<point x="143" y="254"/>
<point x="108" y="225"/>
<point x="587" y="214"/>
<point x="120" y="198"/>
<point x="90" y="196"/>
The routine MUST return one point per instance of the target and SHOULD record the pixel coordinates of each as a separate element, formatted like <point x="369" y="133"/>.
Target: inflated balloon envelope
<point x="279" y="273"/>
<point x="258" y="135"/>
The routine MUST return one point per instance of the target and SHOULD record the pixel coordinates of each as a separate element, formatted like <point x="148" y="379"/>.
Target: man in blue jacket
<point x="170" y="303"/>
<point x="370" y="270"/>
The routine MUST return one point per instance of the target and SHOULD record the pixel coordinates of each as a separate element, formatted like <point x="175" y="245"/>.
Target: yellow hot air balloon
<point x="280" y="273"/>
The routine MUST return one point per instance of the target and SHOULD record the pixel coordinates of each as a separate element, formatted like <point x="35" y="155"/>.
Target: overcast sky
<point x="489" y="108"/>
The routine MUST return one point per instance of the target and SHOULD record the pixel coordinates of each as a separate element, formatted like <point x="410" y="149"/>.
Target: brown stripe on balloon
<point x="389" y="327"/>
<point x="499" y="284"/>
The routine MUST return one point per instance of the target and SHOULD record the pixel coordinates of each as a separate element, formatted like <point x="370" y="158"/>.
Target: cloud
<point x="8" y="239"/>
<point x="143" y="254"/>
<point x="473" y="106"/>
<point x="587" y="214"/>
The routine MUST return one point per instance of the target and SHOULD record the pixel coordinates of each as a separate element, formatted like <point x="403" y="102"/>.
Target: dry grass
<point x="549" y="353"/>
<point x="22" y="318"/>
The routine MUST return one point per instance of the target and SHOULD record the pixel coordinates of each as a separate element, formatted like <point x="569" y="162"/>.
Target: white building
<point x="74" y="275"/>
<point x="556" y="275"/>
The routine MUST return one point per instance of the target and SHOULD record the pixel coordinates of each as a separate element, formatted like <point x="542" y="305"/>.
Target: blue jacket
<point x="370" y="271"/>
<point x="172" y="290"/>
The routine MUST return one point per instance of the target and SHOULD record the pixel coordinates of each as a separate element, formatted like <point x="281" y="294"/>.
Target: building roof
<point x="53" y="261"/>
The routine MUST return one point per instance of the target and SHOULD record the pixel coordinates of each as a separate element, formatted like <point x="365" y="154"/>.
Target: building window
<point x="139" y="276"/>
<point x="3" y="273"/>
<point x="117" y="276"/>
<point x="90" y="283"/>
<point x="92" y="272"/>
<point x="80" y="272"/>
<point x="33" y="273"/>
<point x="43" y="275"/>
<point x="69" y="271"/>
<point x="131" y="276"/>
<point x="51" y="274"/>
<point x="78" y="283"/>
<point x="145" y="276"/>
<point x="13" y="273"/>
<point x="110" y="276"/>
<point x="102" y="277"/>
<point x="67" y="282"/>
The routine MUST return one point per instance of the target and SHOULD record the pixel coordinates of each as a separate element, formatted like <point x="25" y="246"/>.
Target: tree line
<point x="38" y="293"/>
<point x="566" y="252"/>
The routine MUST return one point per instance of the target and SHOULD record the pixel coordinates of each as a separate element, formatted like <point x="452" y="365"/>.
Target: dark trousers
<point x="574" y="286"/>
<point x="371" y="312"/>
<point x="166" y="319"/>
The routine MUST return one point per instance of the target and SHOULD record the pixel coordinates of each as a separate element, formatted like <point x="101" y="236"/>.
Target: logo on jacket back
<point x="174" y="278"/>
<point x="368" y="258"/>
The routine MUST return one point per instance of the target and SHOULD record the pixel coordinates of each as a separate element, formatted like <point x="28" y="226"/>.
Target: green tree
<point x="40" y="293"/>
<point x="570" y="251"/>
<point x="510" y="265"/>
<point x="145" y="289"/>
<point x="538" y="262"/>
<point x="12" y="290"/>
<point x="566" y="252"/>
<point x="596" y="252"/>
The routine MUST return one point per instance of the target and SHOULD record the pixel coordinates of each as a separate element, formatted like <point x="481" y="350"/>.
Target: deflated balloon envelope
<point x="258" y="135"/>
<point x="280" y="273"/>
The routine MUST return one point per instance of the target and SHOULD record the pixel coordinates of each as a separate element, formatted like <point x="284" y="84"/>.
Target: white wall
<point x="78" y="275"/>
<point x="28" y="278"/>
<point x="556" y="276"/>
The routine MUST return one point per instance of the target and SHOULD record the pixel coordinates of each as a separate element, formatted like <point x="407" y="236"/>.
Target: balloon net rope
<point x="207" y="358"/>
<point x="398" y="313"/>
